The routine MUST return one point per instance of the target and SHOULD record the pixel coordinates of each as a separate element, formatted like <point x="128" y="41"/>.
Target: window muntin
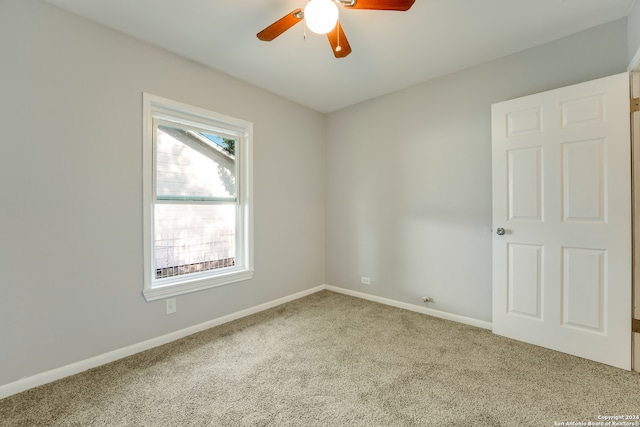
<point x="197" y="199"/>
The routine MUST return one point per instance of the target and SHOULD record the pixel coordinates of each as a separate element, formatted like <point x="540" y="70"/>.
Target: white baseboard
<point x="412" y="307"/>
<point x="102" y="359"/>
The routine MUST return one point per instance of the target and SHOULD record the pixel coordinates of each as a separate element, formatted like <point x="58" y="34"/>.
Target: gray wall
<point x="409" y="174"/>
<point x="71" y="186"/>
<point x="633" y="31"/>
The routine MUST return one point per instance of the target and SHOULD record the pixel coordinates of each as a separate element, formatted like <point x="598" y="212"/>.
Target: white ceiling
<point x="391" y="50"/>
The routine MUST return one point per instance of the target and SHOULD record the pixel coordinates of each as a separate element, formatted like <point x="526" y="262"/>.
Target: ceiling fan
<point x="321" y="16"/>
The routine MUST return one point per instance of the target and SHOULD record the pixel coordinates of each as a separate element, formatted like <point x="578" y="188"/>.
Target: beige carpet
<point x="334" y="360"/>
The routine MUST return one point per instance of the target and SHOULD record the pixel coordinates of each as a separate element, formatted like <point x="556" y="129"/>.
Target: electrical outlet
<point x="171" y="305"/>
<point x="365" y="280"/>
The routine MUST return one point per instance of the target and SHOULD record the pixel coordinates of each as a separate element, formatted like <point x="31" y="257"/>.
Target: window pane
<point x="194" y="166"/>
<point x="192" y="238"/>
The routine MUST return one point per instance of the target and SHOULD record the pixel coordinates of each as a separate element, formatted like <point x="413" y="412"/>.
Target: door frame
<point x="634" y="86"/>
<point x="634" y="81"/>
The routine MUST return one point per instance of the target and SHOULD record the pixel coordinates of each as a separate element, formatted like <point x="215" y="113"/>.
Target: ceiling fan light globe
<point x="321" y="15"/>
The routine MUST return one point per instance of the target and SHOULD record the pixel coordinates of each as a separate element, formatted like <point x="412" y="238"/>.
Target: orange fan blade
<point x="401" y="5"/>
<point x="280" y="26"/>
<point x="339" y="42"/>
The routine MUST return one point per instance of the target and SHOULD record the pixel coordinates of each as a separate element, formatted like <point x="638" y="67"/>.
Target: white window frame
<point x="155" y="109"/>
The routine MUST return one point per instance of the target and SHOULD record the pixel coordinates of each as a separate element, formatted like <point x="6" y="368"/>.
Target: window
<point x="197" y="199"/>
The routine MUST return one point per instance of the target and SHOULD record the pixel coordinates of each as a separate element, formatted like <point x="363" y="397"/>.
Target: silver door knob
<point x="500" y="231"/>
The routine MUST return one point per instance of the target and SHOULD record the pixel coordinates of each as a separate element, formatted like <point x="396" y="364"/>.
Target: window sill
<point x="188" y="286"/>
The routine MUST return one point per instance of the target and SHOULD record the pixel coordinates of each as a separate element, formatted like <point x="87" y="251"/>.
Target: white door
<point x="562" y="196"/>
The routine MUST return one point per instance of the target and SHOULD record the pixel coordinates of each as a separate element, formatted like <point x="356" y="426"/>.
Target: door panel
<point x="525" y="183"/>
<point x="583" y="288"/>
<point x="583" y="180"/>
<point x="562" y="192"/>
<point x="525" y="280"/>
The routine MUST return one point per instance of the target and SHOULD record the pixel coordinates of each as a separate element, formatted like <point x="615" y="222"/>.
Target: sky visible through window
<point x="213" y="138"/>
<point x="226" y="144"/>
